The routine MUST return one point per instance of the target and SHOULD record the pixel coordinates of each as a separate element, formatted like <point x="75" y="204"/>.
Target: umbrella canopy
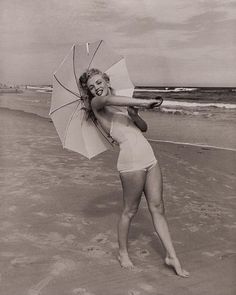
<point x="77" y="132"/>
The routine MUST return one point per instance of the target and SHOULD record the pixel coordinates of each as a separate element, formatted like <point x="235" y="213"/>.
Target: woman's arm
<point x="138" y="121"/>
<point x="99" y="102"/>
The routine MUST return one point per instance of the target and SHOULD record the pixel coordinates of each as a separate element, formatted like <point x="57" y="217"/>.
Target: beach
<point x="59" y="211"/>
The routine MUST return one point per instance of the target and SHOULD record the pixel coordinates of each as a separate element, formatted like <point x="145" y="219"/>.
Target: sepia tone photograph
<point x="117" y="147"/>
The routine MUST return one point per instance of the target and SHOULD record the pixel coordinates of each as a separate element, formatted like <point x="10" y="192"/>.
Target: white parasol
<point x="76" y="132"/>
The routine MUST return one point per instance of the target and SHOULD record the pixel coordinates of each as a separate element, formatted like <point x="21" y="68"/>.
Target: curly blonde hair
<point x="86" y="94"/>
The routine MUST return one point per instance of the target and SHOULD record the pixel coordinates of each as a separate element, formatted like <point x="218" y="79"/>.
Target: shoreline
<point x="10" y="90"/>
<point x="152" y="135"/>
<point x="209" y="127"/>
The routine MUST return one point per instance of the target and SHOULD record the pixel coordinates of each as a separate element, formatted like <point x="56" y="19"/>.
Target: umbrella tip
<point x="87" y="47"/>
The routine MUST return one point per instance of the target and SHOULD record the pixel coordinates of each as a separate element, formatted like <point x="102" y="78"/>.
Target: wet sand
<point x="59" y="214"/>
<point x="215" y="132"/>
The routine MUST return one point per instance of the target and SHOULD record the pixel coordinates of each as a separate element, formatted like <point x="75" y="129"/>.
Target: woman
<point x="138" y="168"/>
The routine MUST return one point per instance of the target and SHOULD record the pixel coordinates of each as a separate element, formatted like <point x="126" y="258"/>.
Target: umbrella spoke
<point x="106" y="136"/>
<point x="69" y="121"/>
<point x="64" y="105"/>
<point x="76" y="79"/>
<point x="113" y="64"/>
<point x="72" y="92"/>
<point x="95" y="53"/>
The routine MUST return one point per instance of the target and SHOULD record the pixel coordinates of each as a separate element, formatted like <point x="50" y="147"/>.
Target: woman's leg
<point x="133" y="185"/>
<point x="153" y="193"/>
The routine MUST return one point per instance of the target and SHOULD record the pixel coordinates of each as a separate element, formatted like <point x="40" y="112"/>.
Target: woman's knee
<point x="129" y="212"/>
<point x="156" y="207"/>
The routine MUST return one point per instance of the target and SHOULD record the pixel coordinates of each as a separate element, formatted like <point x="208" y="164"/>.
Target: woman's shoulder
<point x="98" y="102"/>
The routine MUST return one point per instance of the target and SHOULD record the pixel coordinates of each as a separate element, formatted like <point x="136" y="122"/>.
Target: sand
<point x="59" y="214"/>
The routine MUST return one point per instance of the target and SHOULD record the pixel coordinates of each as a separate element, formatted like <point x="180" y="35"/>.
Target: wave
<point x="170" y="103"/>
<point x="44" y="91"/>
<point x="39" y="88"/>
<point x="177" y="89"/>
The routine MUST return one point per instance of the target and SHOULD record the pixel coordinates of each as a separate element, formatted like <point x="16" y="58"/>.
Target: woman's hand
<point x="132" y="111"/>
<point x="155" y="103"/>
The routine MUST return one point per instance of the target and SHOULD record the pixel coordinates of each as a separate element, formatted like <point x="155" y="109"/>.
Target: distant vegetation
<point x="4" y="88"/>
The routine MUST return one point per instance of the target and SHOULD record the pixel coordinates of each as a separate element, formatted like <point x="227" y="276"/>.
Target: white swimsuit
<point x="135" y="151"/>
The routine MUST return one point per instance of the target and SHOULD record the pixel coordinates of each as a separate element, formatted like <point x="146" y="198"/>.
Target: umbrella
<point x="77" y="132"/>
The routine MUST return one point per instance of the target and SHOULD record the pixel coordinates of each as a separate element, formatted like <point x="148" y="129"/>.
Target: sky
<point x="165" y="42"/>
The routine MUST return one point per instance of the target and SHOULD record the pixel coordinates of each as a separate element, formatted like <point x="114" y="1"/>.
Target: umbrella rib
<point x="95" y="53"/>
<point x="105" y="136"/>
<point x="72" y="92"/>
<point x="68" y="124"/>
<point x="114" y="64"/>
<point x="74" y="67"/>
<point x="64" y="105"/>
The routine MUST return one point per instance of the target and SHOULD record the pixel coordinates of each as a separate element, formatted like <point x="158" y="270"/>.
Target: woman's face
<point x="98" y="86"/>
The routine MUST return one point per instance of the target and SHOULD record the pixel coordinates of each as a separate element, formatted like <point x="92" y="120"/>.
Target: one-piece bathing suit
<point x="135" y="151"/>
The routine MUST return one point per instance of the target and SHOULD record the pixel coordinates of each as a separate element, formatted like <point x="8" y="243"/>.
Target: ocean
<point x="208" y="102"/>
<point x="191" y="94"/>
<point x="202" y="101"/>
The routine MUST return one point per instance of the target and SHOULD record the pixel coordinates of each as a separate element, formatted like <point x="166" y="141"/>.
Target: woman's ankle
<point x="123" y="253"/>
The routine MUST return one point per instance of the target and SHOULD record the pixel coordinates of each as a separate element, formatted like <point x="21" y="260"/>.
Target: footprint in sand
<point x="228" y="255"/>
<point x="66" y="218"/>
<point x="25" y="260"/>
<point x="36" y="197"/>
<point x="191" y="227"/>
<point x="133" y="292"/>
<point x="58" y="268"/>
<point x="211" y="254"/>
<point x="101" y="238"/>
<point x="41" y="214"/>
<point x="142" y="253"/>
<point x="147" y="287"/>
<point x="94" y="251"/>
<point x="86" y="222"/>
<point x="12" y="209"/>
<point x="8" y="254"/>
<point x="81" y="291"/>
<point x="101" y="206"/>
<point x="231" y="226"/>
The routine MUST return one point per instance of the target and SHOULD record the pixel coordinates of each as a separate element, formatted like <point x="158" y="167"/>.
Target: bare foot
<point x="125" y="262"/>
<point x="174" y="262"/>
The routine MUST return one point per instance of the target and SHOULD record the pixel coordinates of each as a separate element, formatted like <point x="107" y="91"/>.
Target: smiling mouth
<point x="99" y="92"/>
